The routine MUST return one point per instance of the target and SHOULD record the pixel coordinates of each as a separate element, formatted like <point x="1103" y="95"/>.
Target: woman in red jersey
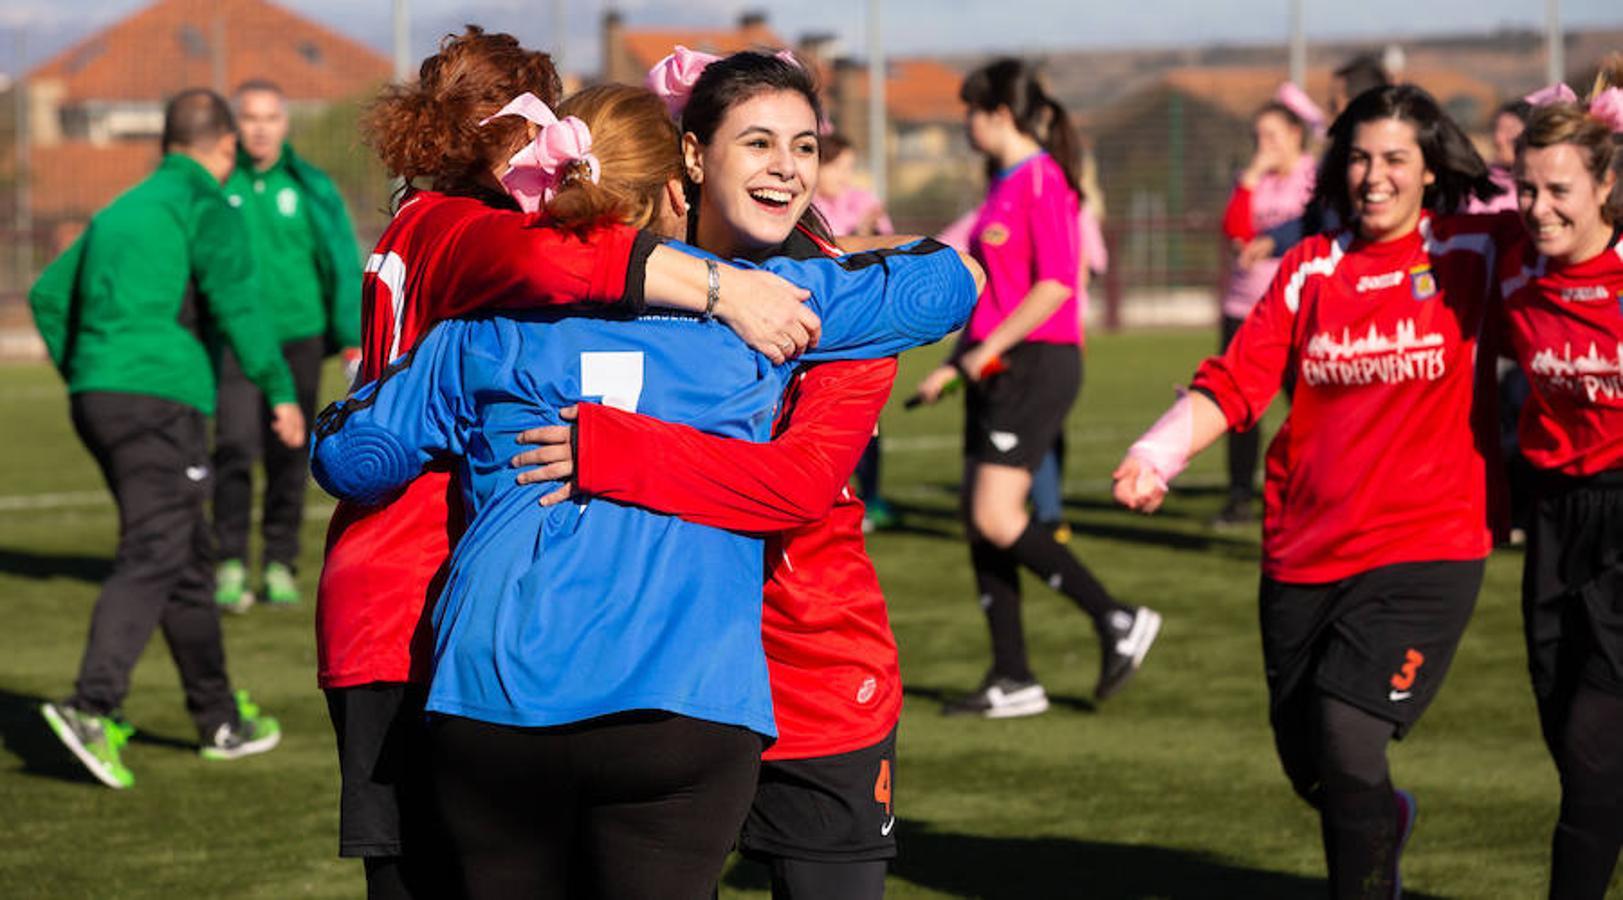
<point x="823" y="817"/>
<point x="1375" y="525"/>
<point x="463" y="245"/>
<point x="1563" y="302"/>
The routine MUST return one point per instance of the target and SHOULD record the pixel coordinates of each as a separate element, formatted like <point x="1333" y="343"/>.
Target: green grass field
<point x="1169" y="790"/>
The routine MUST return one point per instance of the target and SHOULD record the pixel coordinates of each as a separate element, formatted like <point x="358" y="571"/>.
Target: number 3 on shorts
<point x="614" y="376"/>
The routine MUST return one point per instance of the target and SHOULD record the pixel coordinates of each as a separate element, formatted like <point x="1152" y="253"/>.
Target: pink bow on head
<point x="1608" y="107"/>
<point x="673" y="77"/>
<point x="1555" y="93"/>
<point x="1297" y="101"/>
<point x="538" y="167"/>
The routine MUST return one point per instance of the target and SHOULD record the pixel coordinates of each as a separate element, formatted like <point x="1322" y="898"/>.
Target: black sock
<point x="1037" y="550"/>
<point x="385" y="879"/>
<point x="799" y="879"/>
<point x="1360" y="827"/>
<point x="1590" y="830"/>
<point x="998" y="581"/>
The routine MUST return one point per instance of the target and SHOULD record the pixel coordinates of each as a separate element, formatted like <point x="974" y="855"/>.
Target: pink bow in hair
<point x="1555" y="93"/>
<point x="1608" y="107"/>
<point x="538" y="167"/>
<point x="673" y="77"/>
<point x="1297" y="101"/>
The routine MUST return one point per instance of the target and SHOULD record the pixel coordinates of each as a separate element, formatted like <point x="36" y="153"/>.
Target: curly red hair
<point x="429" y="129"/>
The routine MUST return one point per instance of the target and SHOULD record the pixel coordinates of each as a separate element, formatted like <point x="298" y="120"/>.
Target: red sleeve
<point x="737" y="484"/>
<point x="502" y="259"/>
<point x="1245" y="378"/>
<point x="1237" y="215"/>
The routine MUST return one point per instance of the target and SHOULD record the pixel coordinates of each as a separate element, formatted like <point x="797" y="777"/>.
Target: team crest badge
<point x="995" y="235"/>
<point x="1422" y="282"/>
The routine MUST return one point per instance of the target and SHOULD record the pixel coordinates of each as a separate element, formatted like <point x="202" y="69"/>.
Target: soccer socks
<point x="801" y="879"/>
<point x="998" y="581"/>
<point x="1358" y="814"/>
<point x="1037" y="550"/>
<point x="1590" y="830"/>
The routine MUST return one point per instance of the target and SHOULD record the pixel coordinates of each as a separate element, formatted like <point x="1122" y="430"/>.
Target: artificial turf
<point x="1170" y="789"/>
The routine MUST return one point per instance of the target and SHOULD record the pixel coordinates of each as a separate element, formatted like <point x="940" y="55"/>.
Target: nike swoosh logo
<point x="197" y="473"/>
<point x="1395" y="696"/>
<point x="885" y="829"/>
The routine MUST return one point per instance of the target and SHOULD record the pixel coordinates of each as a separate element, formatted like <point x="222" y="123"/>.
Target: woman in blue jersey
<point x="600" y="712"/>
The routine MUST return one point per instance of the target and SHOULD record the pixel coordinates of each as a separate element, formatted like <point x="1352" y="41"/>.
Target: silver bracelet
<point x="713" y="289"/>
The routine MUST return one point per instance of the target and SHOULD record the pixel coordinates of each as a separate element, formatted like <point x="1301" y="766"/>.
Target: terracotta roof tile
<point x="74" y="179"/>
<point x="648" y="46"/>
<point x="170" y="45"/>
<point x="918" y="90"/>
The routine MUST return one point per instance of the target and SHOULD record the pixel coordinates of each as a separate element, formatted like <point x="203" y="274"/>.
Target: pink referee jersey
<point x="1027" y="232"/>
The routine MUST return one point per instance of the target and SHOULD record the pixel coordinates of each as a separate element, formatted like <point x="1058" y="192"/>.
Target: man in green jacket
<point x="310" y="290"/>
<point x="121" y="313"/>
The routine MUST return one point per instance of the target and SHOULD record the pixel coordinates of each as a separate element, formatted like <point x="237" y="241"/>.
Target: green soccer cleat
<point x="95" y="741"/>
<point x="231" y="586"/>
<point x="280" y="588"/>
<point x="253" y="733"/>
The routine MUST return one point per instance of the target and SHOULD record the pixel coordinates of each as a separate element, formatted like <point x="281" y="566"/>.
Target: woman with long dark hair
<point x="1020" y="358"/>
<point x="1375" y="526"/>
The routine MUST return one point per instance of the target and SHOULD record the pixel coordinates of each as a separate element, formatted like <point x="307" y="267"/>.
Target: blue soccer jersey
<point x="557" y="615"/>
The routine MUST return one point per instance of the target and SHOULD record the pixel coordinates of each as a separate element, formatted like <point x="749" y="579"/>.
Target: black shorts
<point x="1572" y="587"/>
<point x="1381" y="640"/>
<point x="386" y="796"/>
<point x="1011" y="419"/>
<point x="825" y="809"/>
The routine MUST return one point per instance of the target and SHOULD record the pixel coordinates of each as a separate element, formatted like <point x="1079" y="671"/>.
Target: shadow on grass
<point x="42" y="566"/>
<point x="942" y="696"/>
<point x="26" y="736"/>
<point x="1024" y="868"/>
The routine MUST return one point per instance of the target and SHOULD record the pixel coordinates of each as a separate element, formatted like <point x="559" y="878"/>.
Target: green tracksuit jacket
<point x="122" y="309"/>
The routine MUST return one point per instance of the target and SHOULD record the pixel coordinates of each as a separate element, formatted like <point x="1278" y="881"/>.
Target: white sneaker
<point x="1001" y="698"/>
<point x="1123" y="646"/>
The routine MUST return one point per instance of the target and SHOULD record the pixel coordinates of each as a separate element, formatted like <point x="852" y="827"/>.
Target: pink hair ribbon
<point x="1297" y="101"/>
<point x="1555" y="93"/>
<point x="537" y="169"/>
<point x="1608" y="107"/>
<point x="673" y="77"/>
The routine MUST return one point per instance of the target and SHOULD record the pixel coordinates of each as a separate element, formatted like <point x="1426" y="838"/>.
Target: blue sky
<point x="908" y="26"/>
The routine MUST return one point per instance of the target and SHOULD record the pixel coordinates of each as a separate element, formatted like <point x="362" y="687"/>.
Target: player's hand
<point x="287" y="421"/>
<point x="1138" y="486"/>
<point x="553" y="457"/>
<point x="768" y="313"/>
<point x="1255" y="252"/>
<point x="978" y="363"/>
<point x="930" y="389"/>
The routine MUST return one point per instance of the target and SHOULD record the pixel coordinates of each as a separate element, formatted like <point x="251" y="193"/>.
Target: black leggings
<point x="633" y="805"/>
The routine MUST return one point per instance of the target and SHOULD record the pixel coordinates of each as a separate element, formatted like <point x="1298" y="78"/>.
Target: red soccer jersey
<point x="1565" y="324"/>
<point x="1383" y="457"/>
<point x="836" y="683"/>
<point x="439" y="257"/>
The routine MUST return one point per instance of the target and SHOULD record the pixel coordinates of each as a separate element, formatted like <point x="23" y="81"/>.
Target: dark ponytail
<point x="1013" y="84"/>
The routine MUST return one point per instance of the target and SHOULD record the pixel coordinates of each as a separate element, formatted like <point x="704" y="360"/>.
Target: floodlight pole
<point x="1555" y="64"/>
<point x="558" y="40"/>
<point x="876" y="102"/>
<point x="1298" y="49"/>
<point x="402" y="40"/>
<point x="22" y="194"/>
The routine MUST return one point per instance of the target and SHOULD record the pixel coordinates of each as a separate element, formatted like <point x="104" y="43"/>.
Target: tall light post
<point x="1298" y="46"/>
<point x="1555" y="64"/>
<point x="876" y="102"/>
<point x="402" y="40"/>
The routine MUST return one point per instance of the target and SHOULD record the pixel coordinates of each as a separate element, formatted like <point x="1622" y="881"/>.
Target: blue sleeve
<point x="379" y="438"/>
<point x="882" y="302"/>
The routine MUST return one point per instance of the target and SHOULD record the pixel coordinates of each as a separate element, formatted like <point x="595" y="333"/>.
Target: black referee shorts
<point x="1572" y="590"/>
<point x="825" y="809"/>
<point x="1012" y="418"/>
<point x="1381" y="640"/>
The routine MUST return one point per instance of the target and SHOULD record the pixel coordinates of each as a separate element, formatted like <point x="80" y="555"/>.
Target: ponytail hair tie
<point x="1607" y="106"/>
<point x="1555" y="93"/>
<point x="673" y="77"/>
<point x="540" y="167"/>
